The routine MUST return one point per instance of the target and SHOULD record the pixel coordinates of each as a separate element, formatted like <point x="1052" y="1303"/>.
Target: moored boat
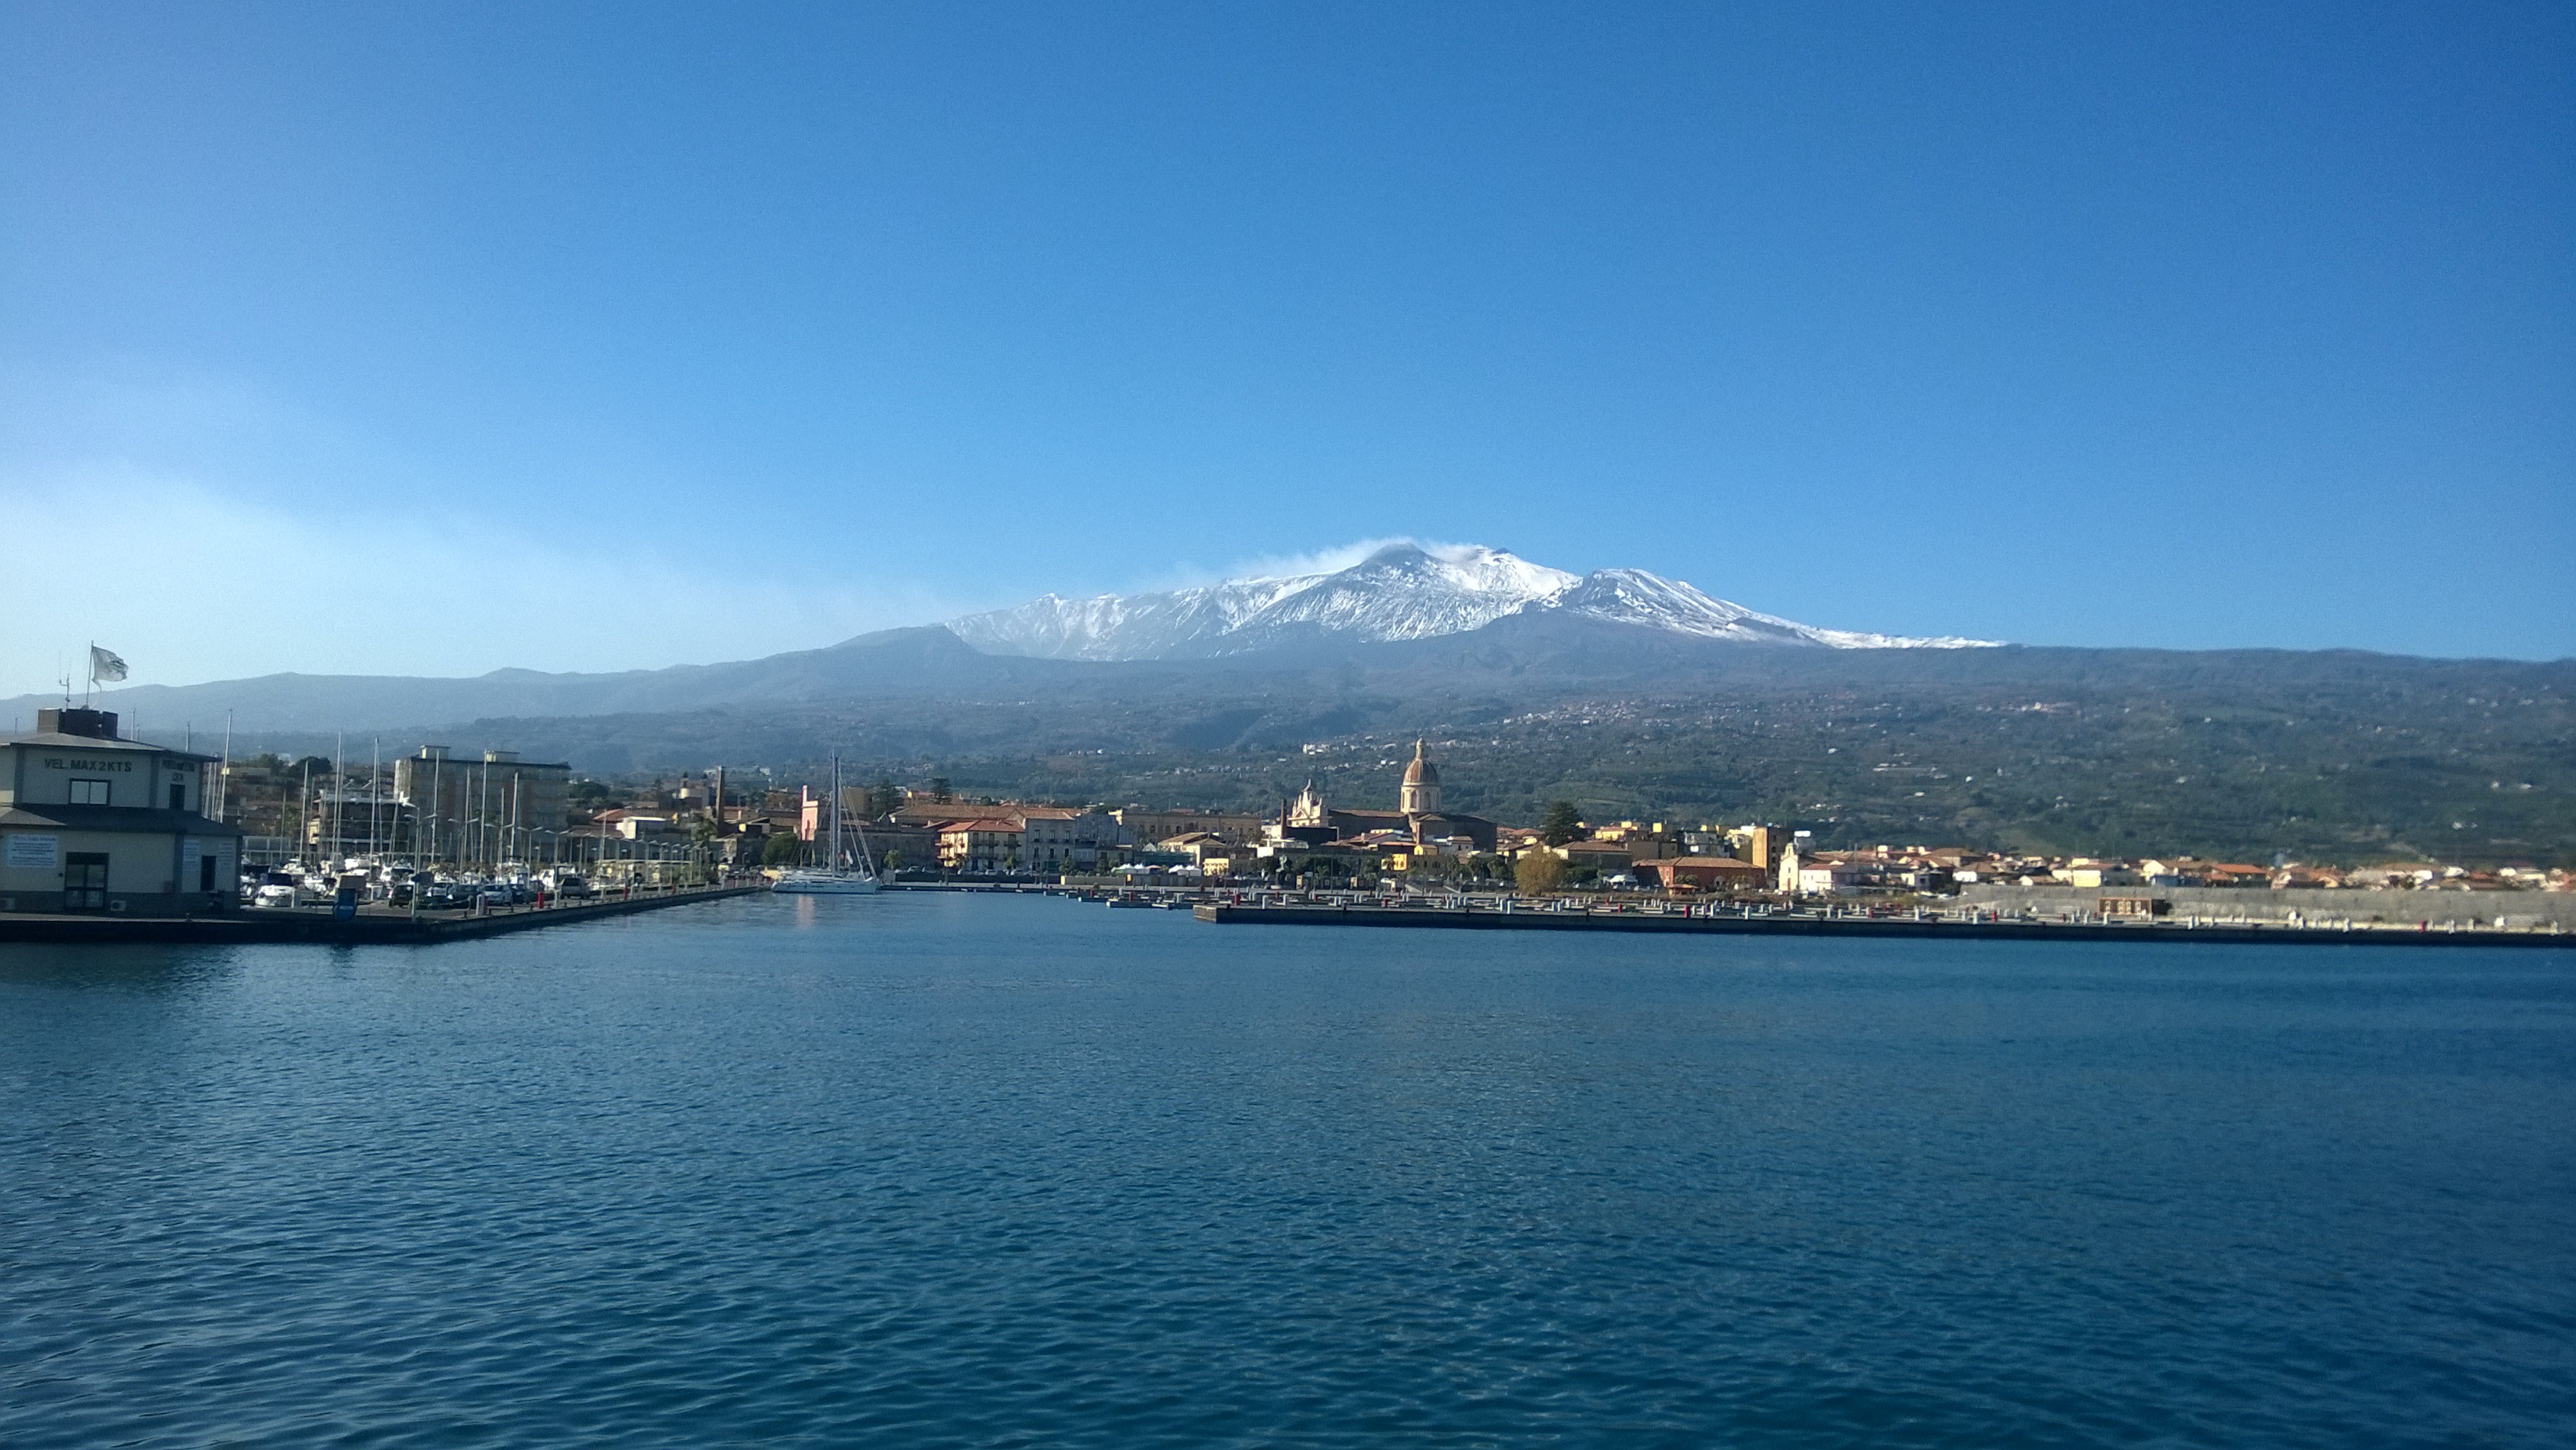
<point x="845" y="872"/>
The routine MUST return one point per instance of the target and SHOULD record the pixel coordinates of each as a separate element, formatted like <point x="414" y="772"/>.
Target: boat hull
<point x="819" y="884"/>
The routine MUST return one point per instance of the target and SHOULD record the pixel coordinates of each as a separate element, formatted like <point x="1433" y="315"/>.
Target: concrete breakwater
<point x="2439" y="910"/>
<point x="1793" y="924"/>
<point x="372" y="927"/>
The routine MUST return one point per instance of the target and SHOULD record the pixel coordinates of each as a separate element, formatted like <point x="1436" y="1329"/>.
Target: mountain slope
<point x="888" y="664"/>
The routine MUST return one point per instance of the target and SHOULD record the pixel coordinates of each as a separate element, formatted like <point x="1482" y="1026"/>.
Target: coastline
<point x="1447" y="918"/>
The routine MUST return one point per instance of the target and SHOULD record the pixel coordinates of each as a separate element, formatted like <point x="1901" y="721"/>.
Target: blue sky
<point x="601" y="337"/>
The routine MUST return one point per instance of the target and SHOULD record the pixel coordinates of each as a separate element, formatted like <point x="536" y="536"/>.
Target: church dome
<point x="1421" y="771"/>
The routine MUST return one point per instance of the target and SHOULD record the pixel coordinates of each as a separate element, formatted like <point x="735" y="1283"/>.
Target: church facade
<point x="1310" y="820"/>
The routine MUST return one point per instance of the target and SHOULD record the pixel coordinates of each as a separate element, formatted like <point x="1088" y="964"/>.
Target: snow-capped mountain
<point x="1403" y="591"/>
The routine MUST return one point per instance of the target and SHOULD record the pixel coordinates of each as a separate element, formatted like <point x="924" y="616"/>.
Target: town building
<point x="1060" y="839"/>
<point x="93" y="822"/>
<point x="1761" y="845"/>
<point x="898" y="847"/>
<point x="1605" y="857"/>
<point x="1704" y="873"/>
<point x="1144" y="825"/>
<point x="1309" y="820"/>
<point x="981" y="843"/>
<point x="499" y="808"/>
<point x="352" y="820"/>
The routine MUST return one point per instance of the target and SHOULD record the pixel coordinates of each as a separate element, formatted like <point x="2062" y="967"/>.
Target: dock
<point x="370" y="927"/>
<point x="1703" y="922"/>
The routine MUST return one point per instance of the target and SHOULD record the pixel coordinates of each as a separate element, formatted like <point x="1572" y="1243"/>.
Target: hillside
<point x="2321" y="755"/>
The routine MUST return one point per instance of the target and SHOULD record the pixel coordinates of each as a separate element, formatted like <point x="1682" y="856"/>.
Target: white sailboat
<point x="843" y="872"/>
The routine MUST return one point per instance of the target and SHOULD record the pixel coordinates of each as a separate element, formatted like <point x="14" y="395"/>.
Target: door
<point x="85" y="881"/>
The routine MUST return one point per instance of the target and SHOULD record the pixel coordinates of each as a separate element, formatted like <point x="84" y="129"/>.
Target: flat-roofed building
<point x="92" y="822"/>
<point x="1142" y="825"/>
<point x="498" y="808"/>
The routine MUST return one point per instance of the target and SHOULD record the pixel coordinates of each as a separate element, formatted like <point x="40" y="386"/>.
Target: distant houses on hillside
<point x="488" y="807"/>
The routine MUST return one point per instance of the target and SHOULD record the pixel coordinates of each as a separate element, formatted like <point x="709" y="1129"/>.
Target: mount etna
<point x="1631" y="694"/>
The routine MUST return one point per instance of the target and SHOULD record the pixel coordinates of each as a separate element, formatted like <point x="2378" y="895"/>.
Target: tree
<point x="1538" y="873"/>
<point x="883" y="798"/>
<point x="939" y="787"/>
<point x="1561" y="824"/>
<point x="781" y="851"/>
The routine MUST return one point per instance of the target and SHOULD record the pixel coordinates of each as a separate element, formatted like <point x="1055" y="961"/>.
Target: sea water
<point x="929" y="1169"/>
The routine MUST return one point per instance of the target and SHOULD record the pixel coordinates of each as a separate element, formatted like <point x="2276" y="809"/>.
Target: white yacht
<point x="845" y="872"/>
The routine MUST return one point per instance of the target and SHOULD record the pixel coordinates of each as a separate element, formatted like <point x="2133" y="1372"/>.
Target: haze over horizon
<point x="584" y="339"/>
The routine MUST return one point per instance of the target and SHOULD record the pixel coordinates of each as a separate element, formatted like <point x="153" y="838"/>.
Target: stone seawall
<point x="2524" y="910"/>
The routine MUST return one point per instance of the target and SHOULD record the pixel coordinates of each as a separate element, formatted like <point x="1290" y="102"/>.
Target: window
<point x="178" y="796"/>
<point x="89" y="792"/>
<point x="85" y="879"/>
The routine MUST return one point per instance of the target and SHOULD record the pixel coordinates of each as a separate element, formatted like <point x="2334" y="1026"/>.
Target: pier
<point x="369" y="927"/>
<point x="1704" y="921"/>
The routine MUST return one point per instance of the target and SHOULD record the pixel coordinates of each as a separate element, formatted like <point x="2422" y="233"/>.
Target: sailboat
<point x="836" y="876"/>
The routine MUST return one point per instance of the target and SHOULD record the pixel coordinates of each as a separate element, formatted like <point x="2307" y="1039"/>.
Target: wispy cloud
<point x="1293" y="566"/>
<point x="190" y="584"/>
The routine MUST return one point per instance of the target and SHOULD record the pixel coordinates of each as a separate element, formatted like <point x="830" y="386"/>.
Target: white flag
<point x="104" y="665"/>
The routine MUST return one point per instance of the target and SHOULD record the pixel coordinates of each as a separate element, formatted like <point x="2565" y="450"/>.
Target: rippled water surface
<point x="929" y="1170"/>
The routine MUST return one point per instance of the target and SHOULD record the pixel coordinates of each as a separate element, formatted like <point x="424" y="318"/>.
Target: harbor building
<point x="92" y="822"/>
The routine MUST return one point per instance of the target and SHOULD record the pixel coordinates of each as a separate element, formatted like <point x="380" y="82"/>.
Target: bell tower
<point x="1420" y="795"/>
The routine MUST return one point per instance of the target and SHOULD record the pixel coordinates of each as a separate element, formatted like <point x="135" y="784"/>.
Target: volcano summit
<point x="1402" y="592"/>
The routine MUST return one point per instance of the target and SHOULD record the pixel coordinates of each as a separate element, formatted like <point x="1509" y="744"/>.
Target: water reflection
<point x="142" y="967"/>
